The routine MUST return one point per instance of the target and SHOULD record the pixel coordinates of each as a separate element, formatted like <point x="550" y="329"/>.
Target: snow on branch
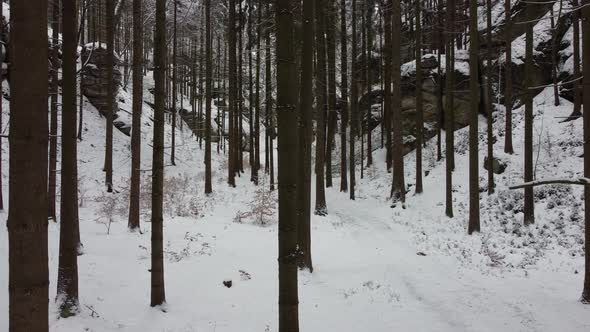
<point x="580" y="181"/>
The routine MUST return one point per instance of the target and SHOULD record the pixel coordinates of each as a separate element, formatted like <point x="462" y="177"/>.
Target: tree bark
<point x="257" y="98"/>
<point x="353" y="102"/>
<point x="269" y="110"/>
<point x="54" y="92"/>
<point x="529" y="208"/>
<point x="586" y="94"/>
<point x="369" y="35"/>
<point x="419" y="99"/>
<point x="473" y="120"/>
<point x="174" y="82"/>
<point x="305" y="136"/>
<point x="449" y="111"/>
<point x="67" y="276"/>
<point x="135" y="187"/>
<point x="398" y="189"/>
<point x="287" y="168"/>
<point x="321" y="104"/>
<point x="577" y="112"/>
<point x="208" y="89"/>
<point x="158" y="295"/>
<point x="330" y="22"/>
<point x="232" y="166"/>
<point x="508" y="78"/>
<point x="344" y="95"/>
<point x="28" y="274"/>
<point x="488" y="99"/>
<point x="108" y="159"/>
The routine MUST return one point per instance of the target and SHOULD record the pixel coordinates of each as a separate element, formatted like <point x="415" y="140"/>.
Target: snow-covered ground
<point x="377" y="268"/>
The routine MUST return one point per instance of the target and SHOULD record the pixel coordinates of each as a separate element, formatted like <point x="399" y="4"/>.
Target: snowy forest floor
<point x="377" y="268"/>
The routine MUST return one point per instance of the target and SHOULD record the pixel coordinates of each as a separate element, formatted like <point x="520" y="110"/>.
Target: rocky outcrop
<point x="94" y="81"/>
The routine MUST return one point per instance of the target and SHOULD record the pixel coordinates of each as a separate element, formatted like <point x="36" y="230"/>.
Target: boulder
<point x="498" y="166"/>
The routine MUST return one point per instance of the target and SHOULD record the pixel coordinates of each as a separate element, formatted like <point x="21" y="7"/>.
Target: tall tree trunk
<point x="321" y="104"/>
<point x="387" y="58"/>
<point x="269" y="113"/>
<point x="232" y="93"/>
<point x="449" y="110"/>
<point x="586" y="94"/>
<point x="251" y="105"/>
<point x="554" y="56"/>
<point x="419" y="98"/>
<point x="439" y="93"/>
<point x="158" y="294"/>
<point x="353" y="102"/>
<point x="108" y="159"/>
<point x="67" y="276"/>
<point x="240" y="101"/>
<point x="174" y="82"/>
<point x="398" y="189"/>
<point x="28" y="273"/>
<point x="287" y="168"/>
<point x="82" y="40"/>
<point x="2" y="56"/>
<point x="529" y="208"/>
<point x="54" y="93"/>
<point x="257" y="98"/>
<point x="473" y="120"/>
<point x="135" y="187"/>
<point x="208" y="88"/>
<point x="577" y="112"/>
<point x="508" y="77"/>
<point x="344" y="95"/>
<point x="369" y="34"/>
<point x="305" y="137"/>
<point x="330" y="12"/>
<point x="488" y="99"/>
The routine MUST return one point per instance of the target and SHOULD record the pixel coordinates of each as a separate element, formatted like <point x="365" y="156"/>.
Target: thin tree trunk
<point x="387" y="58"/>
<point x="174" y="83"/>
<point x="586" y="94"/>
<point x="369" y="58"/>
<point x="344" y="95"/>
<point x="419" y="98"/>
<point x="473" y="120"/>
<point x="577" y="112"/>
<point x="321" y="104"/>
<point x="269" y="112"/>
<point x="208" y="88"/>
<point x="554" y="57"/>
<point x="449" y="110"/>
<point x="529" y="208"/>
<point x="158" y="294"/>
<point x="135" y="187"/>
<point x="353" y="103"/>
<point x="330" y="13"/>
<point x="82" y="40"/>
<point x="67" y="276"/>
<point x="251" y="107"/>
<point x="108" y="168"/>
<point x="28" y="274"/>
<point x="232" y="93"/>
<point x="305" y="136"/>
<point x="54" y="93"/>
<point x="488" y="99"/>
<point x="257" y="98"/>
<point x="508" y="77"/>
<point x="398" y="189"/>
<point x="287" y="168"/>
<point x="240" y="101"/>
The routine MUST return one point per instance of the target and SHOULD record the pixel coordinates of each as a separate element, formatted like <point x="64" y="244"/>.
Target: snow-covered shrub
<point x="263" y="207"/>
